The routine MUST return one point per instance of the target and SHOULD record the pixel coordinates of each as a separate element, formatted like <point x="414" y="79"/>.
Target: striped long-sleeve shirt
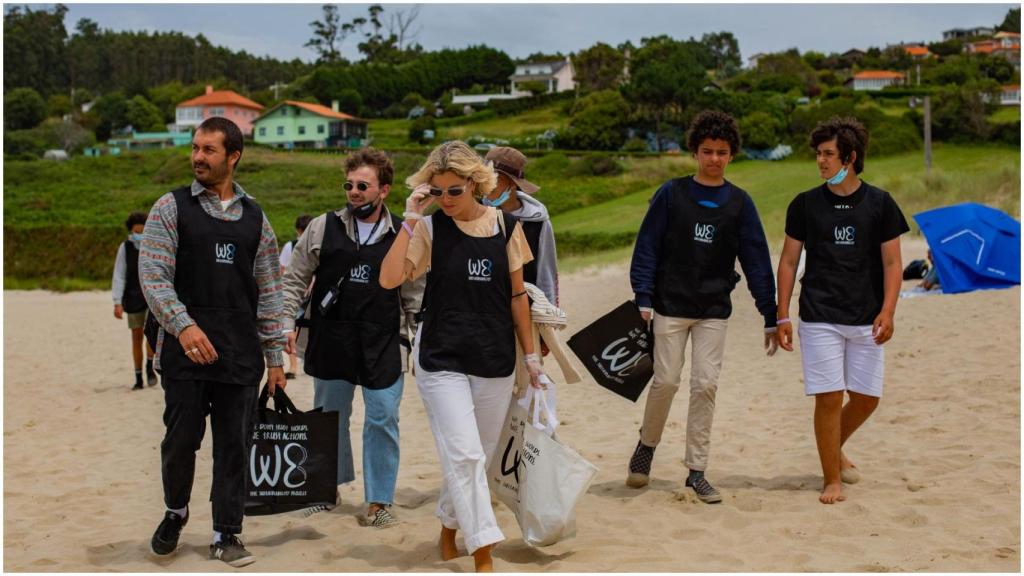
<point x="157" y="259"/>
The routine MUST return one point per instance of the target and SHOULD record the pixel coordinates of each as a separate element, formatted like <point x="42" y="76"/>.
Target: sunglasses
<point x="453" y="191"/>
<point x="362" y="186"/>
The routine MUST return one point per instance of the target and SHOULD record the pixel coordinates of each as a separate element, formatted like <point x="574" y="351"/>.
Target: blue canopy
<point x="974" y="247"/>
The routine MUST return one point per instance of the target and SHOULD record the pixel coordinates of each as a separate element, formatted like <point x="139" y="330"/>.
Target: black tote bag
<point x="293" y="459"/>
<point x="617" y="350"/>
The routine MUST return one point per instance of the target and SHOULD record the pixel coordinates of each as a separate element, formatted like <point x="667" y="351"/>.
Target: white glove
<point x="771" y="345"/>
<point x="418" y="201"/>
<point x="647" y="314"/>
<point x="533" y="366"/>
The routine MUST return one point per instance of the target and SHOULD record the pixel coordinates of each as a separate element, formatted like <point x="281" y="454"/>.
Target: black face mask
<point x="364" y="211"/>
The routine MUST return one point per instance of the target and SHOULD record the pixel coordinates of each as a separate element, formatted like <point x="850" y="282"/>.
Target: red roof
<point x="876" y="75"/>
<point x="1011" y="87"/>
<point x="917" y="50"/>
<point x="314" y="108"/>
<point x="221" y="98"/>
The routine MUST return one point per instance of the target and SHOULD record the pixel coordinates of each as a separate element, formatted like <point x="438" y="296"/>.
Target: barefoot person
<point x="684" y="268"/>
<point x="128" y="298"/>
<point x="355" y="343"/>
<point x="209" y="270"/>
<point x="851" y="231"/>
<point x="474" y="307"/>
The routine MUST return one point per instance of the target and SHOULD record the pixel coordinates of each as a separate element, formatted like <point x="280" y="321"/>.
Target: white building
<point x="875" y="79"/>
<point x="559" y="76"/>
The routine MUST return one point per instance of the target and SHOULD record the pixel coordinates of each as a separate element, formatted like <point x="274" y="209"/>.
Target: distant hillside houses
<point x="1005" y="44"/>
<point x="225" y="103"/>
<point x="559" y="76"/>
<point x="964" y="33"/>
<point x="295" y="124"/>
<point x="875" y="79"/>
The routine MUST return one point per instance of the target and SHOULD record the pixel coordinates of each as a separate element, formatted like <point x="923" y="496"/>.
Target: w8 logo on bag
<point x="293" y="456"/>
<point x="480" y="269"/>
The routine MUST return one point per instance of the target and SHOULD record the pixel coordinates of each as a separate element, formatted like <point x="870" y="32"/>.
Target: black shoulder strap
<point x="510" y="224"/>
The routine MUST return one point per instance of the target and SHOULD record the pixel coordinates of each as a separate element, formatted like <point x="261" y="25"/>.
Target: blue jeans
<point x="380" y="434"/>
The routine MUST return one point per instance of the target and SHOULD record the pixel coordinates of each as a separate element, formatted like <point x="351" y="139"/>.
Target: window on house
<point x="320" y="129"/>
<point x="302" y="130"/>
<point x="263" y="131"/>
<point x="280" y="130"/>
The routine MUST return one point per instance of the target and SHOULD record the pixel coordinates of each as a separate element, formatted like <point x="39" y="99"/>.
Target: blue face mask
<point x="838" y="178"/>
<point x="135" y="238"/>
<point x="499" y="200"/>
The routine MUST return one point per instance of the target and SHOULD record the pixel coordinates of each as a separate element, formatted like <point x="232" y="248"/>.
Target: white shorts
<point x="837" y="357"/>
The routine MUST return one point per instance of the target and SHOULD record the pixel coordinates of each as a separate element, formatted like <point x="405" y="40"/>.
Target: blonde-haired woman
<point x="473" y="308"/>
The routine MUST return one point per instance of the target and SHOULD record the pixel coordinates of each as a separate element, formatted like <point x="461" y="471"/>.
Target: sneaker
<point x="231" y="551"/>
<point x="151" y="379"/>
<point x="705" y="492"/>
<point x="380" y="518"/>
<point x="165" y="539"/>
<point x="138" y="386"/>
<point x="289" y="375"/>
<point x="640" y="466"/>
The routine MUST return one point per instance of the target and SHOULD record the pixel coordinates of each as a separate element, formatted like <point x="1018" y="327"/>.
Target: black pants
<point x="231" y="408"/>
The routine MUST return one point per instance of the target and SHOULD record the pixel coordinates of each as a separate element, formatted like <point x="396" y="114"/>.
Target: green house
<point x="293" y="124"/>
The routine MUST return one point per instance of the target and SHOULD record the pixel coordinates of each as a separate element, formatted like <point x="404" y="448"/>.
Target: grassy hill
<point x="63" y="221"/>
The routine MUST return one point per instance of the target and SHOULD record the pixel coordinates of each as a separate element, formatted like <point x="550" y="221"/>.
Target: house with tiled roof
<point x="558" y="76"/>
<point x="1010" y="95"/>
<point x="962" y="33"/>
<point x="1004" y="44"/>
<point x="875" y="79"/>
<point x="226" y="103"/>
<point x="295" y="124"/>
<point x="917" y="52"/>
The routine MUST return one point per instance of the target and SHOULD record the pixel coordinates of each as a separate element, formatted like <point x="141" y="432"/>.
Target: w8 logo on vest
<point x="360" y="274"/>
<point x="845" y="235"/>
<point x="480" y="269"/>
<point x="225" y="253"/>
<point x="704" y="233"/>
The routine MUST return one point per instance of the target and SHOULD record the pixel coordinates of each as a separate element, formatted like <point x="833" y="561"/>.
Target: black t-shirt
<point x="892" y="224"/>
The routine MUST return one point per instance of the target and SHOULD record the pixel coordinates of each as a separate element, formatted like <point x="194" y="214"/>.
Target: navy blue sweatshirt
<point x="753" y="253"/>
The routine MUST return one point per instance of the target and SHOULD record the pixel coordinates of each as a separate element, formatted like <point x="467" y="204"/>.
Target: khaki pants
<point x="670" y="336"/>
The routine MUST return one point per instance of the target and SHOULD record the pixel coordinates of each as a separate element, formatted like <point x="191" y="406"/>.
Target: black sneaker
<point x="165" y="539"/>
<point x="138" y="386"/>
<point x="705" y="492"/>
<point x="640" y="466"/>
<point x="231" y="551"/>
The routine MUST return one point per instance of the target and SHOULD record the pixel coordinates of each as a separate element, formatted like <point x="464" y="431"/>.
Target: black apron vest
<point x="214" y="279"/>
<point x="467" y="304"/>
<point x="843" y="277"/>
<point x="132" y="301"/>
<point x="697" y="262"/>
<point x="532" y="232"/>
<point x="358" y="340"/>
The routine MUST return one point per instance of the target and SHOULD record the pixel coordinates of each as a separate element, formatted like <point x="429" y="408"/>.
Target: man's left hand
<point x="883" y="327"/>
<point x="771" y="344"/>
<point x="275" y="379"/>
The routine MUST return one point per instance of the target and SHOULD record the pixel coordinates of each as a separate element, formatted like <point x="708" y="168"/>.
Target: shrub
<point x="760" y="130"/>
<point x="418" y="126"/>
<point x="23" y="108"/>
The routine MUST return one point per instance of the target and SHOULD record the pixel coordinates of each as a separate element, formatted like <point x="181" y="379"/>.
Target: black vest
<point x="214" y="279"/>
<point x="843" y="277"/>
<point x="532" y="232"/>
<point x="132" y="301"/>
<point x="467" y="304"/>
<point x="697" y="261"/>
<point x="358" y="340"/>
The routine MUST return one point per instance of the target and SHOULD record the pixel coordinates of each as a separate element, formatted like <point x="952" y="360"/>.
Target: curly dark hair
<point x="374" y="159"/>
<point x="713" y="125"/>
<point x="134" y="219"/>
<point x="302" y="222"/>
<point x="850" y="136"/>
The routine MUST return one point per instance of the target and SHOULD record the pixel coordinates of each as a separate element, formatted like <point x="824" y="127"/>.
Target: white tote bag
<point x="503" y="471"/>
<point x="552" y="479"/>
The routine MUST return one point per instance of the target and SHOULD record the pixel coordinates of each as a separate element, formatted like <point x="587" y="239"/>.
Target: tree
<point x="760" y="130"/>
<point x="58" y="105"/>
<point x="350" y="102"/>
<point x="665" y="75"/>
<point x="725" y="53"/>
<point x="599" y="67"/>
<point x="144" y="116"/>
<point x="1011" y="23"/>
<point x="326" y="34"/>
<point x="598" y="122"/>
<point x="400" y="25"/>
<point x="34" y="49"/>
<point x="534" y="87"/>
<point x="23" y="108"/>
<point x="111" y="112"/>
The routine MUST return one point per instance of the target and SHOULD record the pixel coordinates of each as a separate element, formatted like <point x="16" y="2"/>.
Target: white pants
<point x="466" y="414"/>
<point x="837" y="357"/>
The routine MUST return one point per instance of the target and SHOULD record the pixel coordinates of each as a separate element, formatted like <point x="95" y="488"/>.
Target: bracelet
<point x="782" y="321"/>
<point x="410" y="215"/>
<point x="405" y="225"/>
<point x="519" y="294"/>
<point x="531" y="356"/>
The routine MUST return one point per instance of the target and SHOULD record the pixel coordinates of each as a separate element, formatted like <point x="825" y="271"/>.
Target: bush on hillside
<point x="760" y="130"/>
<point x="598" y="122"/>
<point x="23" y="108"/>
<point x="419" y="126"/>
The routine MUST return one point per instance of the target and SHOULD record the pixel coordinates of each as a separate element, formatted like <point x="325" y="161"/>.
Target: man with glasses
<point x="357" y="329"/>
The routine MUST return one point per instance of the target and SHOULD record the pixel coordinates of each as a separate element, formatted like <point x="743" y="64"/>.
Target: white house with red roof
<point x="226" y="103"/>
<point x="295" y="124"/>
<point x="875" y="79"/>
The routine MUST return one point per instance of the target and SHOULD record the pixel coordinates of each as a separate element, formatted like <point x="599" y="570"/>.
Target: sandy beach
<point x="940" y="458"/>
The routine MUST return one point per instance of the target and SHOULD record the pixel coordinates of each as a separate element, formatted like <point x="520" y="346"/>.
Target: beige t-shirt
<point x="483" y="227"/>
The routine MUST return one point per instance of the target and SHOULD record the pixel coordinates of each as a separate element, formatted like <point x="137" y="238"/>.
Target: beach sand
<point x="940" y="459"/>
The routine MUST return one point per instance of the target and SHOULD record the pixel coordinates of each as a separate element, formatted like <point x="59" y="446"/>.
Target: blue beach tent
<point x="974" y="247"/>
